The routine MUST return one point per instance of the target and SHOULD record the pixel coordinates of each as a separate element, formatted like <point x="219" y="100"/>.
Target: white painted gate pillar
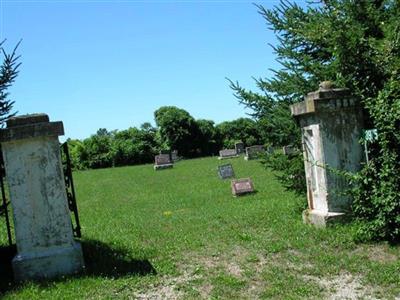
<point x="331" y="121"/>
<point x="45" y="244"/>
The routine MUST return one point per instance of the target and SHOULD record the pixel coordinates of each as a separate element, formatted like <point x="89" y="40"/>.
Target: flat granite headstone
<point x="239" y="147"/>
<point x="242" y="186"/>
<point x="227" y="153"/>
<point x="163" y="161"/>
<point x="253" y="152"/>
<point x="225" y="171"/>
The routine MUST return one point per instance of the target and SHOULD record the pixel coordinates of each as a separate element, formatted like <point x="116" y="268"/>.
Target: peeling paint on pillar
<point x="45" y="244"/>
<point x="331" y="121"/>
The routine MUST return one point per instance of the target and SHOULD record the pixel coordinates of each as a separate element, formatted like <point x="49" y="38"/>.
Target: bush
<point x="290" y="170"/>
<point x="377" y="187"/>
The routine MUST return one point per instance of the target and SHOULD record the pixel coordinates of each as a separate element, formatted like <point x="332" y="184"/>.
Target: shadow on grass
<point x="101" y="260"/>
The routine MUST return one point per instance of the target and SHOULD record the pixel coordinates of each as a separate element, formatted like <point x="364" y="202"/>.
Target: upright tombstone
<point x="44" y="236"/>
<point x="226" y="171"/>
<point x="253" y="152"/>
<point x="239" y="146"/>
<point x="227" y="153"/>
<point x="166" y="151"/>
<point x="174" y="155"/>
<point x="331" y="122"/>
<point x="242" y="186"/>
<point x="163" y="161"/>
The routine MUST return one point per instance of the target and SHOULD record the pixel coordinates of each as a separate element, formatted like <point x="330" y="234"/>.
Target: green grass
<point x="179" y="232"/>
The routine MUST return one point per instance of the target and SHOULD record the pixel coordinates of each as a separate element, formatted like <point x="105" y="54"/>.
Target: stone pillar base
<point x="49" y="263"/>
<point x="322" y="219"/>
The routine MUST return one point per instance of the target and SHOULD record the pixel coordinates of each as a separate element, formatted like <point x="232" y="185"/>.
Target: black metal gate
<point x="69" y="185"/>
<point x="4" y="202"/>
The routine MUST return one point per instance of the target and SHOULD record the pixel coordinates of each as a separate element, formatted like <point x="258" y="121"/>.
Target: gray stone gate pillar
<point x="331" y="122"/>
<point x="45" y="244"/>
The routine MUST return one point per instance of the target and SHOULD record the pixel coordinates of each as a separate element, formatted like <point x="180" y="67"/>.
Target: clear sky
<point x="111" y="64"/>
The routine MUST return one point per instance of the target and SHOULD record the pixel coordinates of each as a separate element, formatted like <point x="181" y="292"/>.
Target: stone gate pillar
<point x="45" y="244"/>
<point x="331" y="122"/>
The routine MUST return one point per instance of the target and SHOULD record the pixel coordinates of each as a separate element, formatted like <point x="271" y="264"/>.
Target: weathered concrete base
<point x="161" y="167"/>
<point x="227" y="157"/>
<point x="48" y="263"/>
<point x="322" y="219"/>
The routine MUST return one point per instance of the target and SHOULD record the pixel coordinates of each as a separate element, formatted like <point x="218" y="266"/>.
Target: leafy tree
<point x="115" y="148"/>
<point x="242" y="129"/>
<point x="96" y="150"/>
<point x="75" y="151"/>
<point x="8" y="73"/>
<point x="178" y="130"/>
<point x="134" y="146"/>
<point x="208" y="139"/>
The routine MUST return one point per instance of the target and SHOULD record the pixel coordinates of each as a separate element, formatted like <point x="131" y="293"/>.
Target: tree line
<point x="175" y="129"/>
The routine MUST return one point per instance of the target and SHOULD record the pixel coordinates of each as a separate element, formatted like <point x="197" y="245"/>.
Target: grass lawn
<point x="179" y="233"/>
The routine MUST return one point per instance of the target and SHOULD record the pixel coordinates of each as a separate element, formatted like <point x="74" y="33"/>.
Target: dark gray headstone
<point x="242" y="186"/>
<point x="225" y="171"/>
<point x="239" y="148"/>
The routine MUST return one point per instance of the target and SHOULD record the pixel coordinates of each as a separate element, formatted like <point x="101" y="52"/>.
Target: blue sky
<point x="111" y="64"/>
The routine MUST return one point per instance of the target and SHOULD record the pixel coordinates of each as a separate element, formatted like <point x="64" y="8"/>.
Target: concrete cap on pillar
<point x="27" y="120"/>
<point x="30" y="126"/>
<point x="326" y="98"/>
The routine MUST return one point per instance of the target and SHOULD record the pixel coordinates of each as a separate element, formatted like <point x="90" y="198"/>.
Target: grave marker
<point x="225" y="171"/>
<point x="242" y="186"/>
<point x="253" y="152"/>
<point x="239" y="146"/>
<point x="174" y="156"/>
<point x="162" y="161"/>
<point x="227" y="153"/>
<point x="166" y="151"/>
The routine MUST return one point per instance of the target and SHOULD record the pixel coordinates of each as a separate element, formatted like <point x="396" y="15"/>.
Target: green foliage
<point x="209" y="139"/>
<point x="274" y="121"/>
<point x="178" y="130"/>
<point x="8" y="73"/>
<point x="290" y="170"/>
<point x="376" y="203"/>
<point x="116" y="148"/>
<point x="242" y="129"/>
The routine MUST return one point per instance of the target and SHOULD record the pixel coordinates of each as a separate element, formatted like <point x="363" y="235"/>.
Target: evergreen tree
<point x="8" y="73"/>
